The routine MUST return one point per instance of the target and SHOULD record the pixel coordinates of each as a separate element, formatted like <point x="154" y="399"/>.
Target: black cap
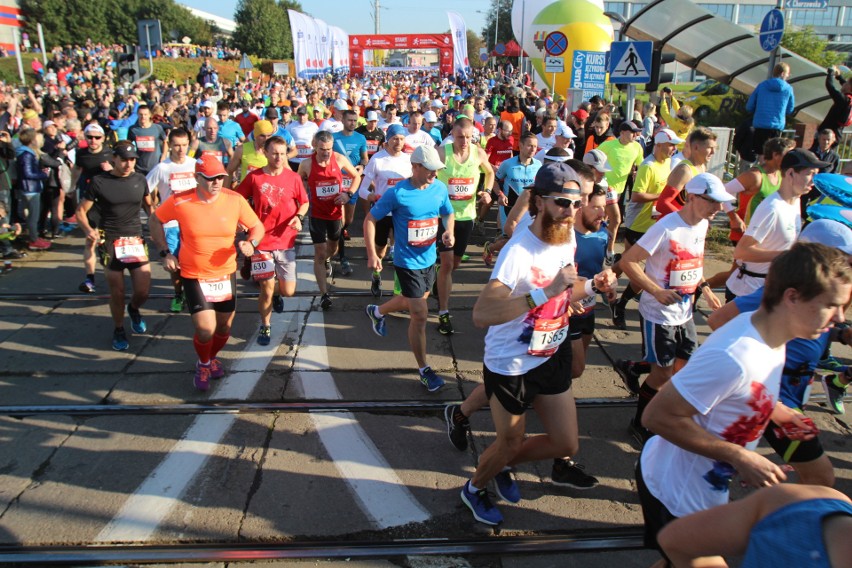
<point x="552" y="177"/>
<point x="302" y="110"/>
<point x="628" y="125"/>
<point x="271" y="112"/>
<point x="800" y="158"/>
<point x="125" y="150"/>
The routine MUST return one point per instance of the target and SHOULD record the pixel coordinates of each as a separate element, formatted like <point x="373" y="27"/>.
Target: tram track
<point x="577" y="541"/>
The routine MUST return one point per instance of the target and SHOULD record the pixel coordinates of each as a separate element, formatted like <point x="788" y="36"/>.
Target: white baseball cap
<point x="372" y="115"/>
<point x="666" y="136"/>
<point x="708" y="185"/>
<point x="340" y="104"/>
<point x="430" y="116"/>
<point x="427" y="156"/>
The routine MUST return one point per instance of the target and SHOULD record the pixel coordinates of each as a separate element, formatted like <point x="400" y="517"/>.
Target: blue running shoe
<point x="430" y="380"/>
<point x="507" y="489"/>
<point x="119" y="340"/>
<point x="136" y="322"/>
<point x="481" y="506"/>
<point x="378" y="323"/>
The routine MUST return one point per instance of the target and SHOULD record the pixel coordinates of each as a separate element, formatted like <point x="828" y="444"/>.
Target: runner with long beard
<point x="527" y="358"/>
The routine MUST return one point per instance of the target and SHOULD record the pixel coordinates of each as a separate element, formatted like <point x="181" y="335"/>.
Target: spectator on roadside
<point x="770" y="103"/>
<point x="30" y="185"/>
<point x="823" y="148"/>
<point x="681" y="121"/>
<point x="840" y="113"/>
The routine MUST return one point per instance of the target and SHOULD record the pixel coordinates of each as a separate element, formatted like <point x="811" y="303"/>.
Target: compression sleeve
<point x="670" y="201"/>
<point x="734" y="187"/>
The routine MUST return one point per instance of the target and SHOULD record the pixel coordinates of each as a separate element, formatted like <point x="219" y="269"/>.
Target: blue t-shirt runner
<point x="415" y="221"/>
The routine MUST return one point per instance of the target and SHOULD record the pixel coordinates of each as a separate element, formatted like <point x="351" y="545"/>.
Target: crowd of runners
<point x="228" y="175"/>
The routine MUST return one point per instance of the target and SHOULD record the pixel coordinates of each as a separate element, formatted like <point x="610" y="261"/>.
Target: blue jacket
<point x="30" y="176"/>
<point x="770" y="103"/>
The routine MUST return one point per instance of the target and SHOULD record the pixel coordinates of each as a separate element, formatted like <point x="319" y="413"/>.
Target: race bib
<point x="461" y="188"/>
<point x="547" y="336"/>
<point x="217" y="289"/>
<point x="130" y="249"/>
<point x="588" y="303"/>
<point x="372" y="147"/>
<point x="611" y="196"/>
<point x="262" y="266"/>
<point x="181" y="181"/>
<point x="327" y="190"/>
<point x="304" y="151"/>
<point x="686" y="274"/>
<point x="422" y="232"/>
<point x="145" y="143"/>
<point x="215" y="153"/>
<point x="393" y="181"/>
<point x="347" y="182"/>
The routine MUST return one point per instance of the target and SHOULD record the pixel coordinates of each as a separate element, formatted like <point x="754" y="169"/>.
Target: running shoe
<point x="457" y="426"/>
<point x="445" y="326"/>
<point x="487" y="255"/>
<point x="506" y="487"/>
<point x="137" y="324"/>
<point x="217" y="371"/>
<point x="277" y="304"/>
<point x="833" y="393"/>
<point x="119" y="340"/>
<point x="639" y="433"/>
<point x="177" y="305"/>
<point x="629" y="375"/>
<point x="345" y="267"/>
<point x="619" y="321"/>
<point x="329" y="269"/>
<point x="264" y="336"/>
<point x="465" y="257"/>
<point x="569" y="473"/>
<point x="39" y="244"/>
<point x="325" y="302"/>
<point x="202" y="377"/>
<point x="87" y="286"/>
<point x="481" y="506"/>
<point x="376" y="284"/>
<point x="431" y="380"/>
<point x="14" y="255"/>
<point x="377" y="322"/>
<point x="831" y="363"/>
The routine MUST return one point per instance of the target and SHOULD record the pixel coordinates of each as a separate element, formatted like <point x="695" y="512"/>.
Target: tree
<point x="474" y="42"/>
<point x="504" y="23"/>
<point x="806" y="43"/>
<point x="263" y="28"/>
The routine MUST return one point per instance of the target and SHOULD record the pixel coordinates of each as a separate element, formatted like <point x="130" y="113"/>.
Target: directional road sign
<point x="554" y="64"/>
<point x="771" y="30"/>
<point x="555" y="43"/>
<point x="630" y="62"/>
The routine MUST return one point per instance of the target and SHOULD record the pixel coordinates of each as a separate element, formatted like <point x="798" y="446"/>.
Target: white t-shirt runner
<point x="676" y="262"/>
<point x="776" y="225"/>
<point x="167" y="178"/>
<point x="733" y="382"/>
<point x="303" y="136"/>
<point x="384" y="171"/>
<point x="517" y="346"/>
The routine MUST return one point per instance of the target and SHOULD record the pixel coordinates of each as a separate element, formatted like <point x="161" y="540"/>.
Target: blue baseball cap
<point x="829" y="233"/>
<point x="395" y="130"/>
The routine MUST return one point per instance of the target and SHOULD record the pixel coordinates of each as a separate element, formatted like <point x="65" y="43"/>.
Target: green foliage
<point x="806" y="43"/>
<point x="110" y="21"/>
<point x="503" y="21"/>
<point x="474" y="42"/>
<point x="263" y="28"/>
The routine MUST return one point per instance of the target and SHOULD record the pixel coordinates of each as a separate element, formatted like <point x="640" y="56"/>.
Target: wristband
<point x="254" y="243"/>
<point x="703" y="285"/>
<point x="538" y="296"/>
<point x="530" y="301"/>
<point x="589" y="287"/>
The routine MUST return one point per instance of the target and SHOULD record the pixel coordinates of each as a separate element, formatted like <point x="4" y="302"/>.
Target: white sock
<point x="422" y="369"/>
<point x="472" y="487"/>
<point x="442" y="312"/>
<point x="376" y="312"/>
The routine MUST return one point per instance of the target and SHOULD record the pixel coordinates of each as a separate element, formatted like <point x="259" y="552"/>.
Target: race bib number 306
<point x="547" y="336"/>
<point x="461" y="188"/>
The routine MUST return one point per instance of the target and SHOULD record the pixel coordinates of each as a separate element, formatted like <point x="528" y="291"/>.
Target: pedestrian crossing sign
<point x="630" y="62"/>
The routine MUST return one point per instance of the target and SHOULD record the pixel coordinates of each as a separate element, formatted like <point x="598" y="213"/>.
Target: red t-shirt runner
<point x="276" y="200"/>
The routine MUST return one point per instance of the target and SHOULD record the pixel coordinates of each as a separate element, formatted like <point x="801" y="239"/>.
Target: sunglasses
<point x="94" y="137"/>
<point x="705" y="198"/>
<point x="564" y="202"/>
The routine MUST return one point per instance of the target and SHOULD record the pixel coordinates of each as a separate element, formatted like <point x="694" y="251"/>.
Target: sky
<point x="356" y="16"/>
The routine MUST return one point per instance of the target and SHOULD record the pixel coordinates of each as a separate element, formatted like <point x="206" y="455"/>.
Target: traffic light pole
<point x="150" y="58"/>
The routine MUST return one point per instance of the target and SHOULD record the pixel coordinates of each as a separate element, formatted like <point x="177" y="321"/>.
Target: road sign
<point x="771" y="30"/>
<point x="500" y="48"/>
<point x="588" y="72"/>
<point x="630" y="62"/>
<point x="483" y="54"/>
<point x="555" y="43"/>
<point x="554" y="64"/>
<point x="806" y="5"/>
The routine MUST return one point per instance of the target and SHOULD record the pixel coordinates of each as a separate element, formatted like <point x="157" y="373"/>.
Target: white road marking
<point x="382" y="494"/>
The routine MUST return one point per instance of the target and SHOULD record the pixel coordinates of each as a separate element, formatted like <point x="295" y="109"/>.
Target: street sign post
<point x="771" y="30"/>
<point x="554" y="64"/>
<point x="630" y="62"/>
<point x="555" y="43"/>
